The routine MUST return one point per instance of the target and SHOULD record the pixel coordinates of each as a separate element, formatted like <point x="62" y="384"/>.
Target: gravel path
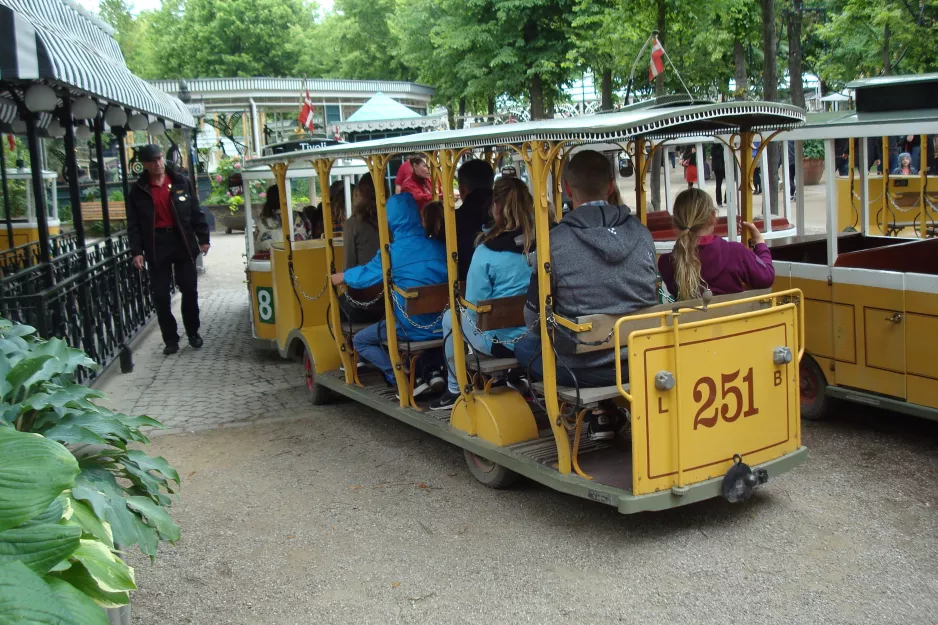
<point x="339" y="514"/>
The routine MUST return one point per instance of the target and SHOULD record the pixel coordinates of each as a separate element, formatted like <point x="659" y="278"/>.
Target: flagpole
<point x="628" y="89"/>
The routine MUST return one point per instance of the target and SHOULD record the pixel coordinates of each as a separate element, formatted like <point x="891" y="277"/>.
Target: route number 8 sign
<point x="264" y="295"/>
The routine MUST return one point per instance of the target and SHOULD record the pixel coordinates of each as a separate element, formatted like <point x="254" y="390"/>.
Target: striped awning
<point x="60" y="43"/>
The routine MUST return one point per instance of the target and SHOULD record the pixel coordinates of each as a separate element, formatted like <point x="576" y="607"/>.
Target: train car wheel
<point x="318" y="393"/>
<point x="489" y="473"/>
<point x="814" y="400"/>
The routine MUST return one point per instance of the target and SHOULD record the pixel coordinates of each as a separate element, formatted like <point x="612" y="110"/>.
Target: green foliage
<point x="235" y="202"/>
<point x="814" y="148"/>
<point x="39" y="396"/>
<point x="57" y="558"/>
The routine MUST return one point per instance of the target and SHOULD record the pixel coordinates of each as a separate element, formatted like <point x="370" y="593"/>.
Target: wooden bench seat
<point x="588" y="396"/>
<point x="416" y="346"/>
<point x="489" y="364"/>
<point x="92" y="211"/>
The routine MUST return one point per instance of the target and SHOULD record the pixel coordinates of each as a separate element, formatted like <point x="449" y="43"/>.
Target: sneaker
<point x="420" y="387"/>
<point x="196" y="341"/>
<point x="170" y="349"/>
<point x="446" y="401"/>
<point x="437" y="383"/>
<point x="600" y="427"/>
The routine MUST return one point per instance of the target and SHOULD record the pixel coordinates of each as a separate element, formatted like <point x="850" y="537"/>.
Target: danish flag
<point x="656" y="67"/>
<point x="306" y="112"/>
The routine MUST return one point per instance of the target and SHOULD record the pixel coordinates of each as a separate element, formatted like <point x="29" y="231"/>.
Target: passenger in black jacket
<point x="475" y="178"/>
<point x="167" y="229"/>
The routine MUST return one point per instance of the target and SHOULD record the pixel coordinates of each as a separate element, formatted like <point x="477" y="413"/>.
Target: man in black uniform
<point x="167" y="228"/>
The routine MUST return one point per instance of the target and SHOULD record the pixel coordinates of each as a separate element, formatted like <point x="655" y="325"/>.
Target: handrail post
<point x="923" y="176"/>
<point x="745" y="181"/>
<point x="377" y="165"/>
<point x="539" y="155"/>
<point x="641" y="200"/>
<point x="323" y="167"/>
<point x="6" y="194"/>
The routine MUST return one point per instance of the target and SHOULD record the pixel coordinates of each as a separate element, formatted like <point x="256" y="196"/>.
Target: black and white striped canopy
<point x="58" y="42"/>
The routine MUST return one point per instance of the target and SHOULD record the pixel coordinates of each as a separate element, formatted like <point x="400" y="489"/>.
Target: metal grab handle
<point x="895" y="318"/>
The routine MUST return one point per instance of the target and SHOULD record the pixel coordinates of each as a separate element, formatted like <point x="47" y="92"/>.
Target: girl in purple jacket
<point x="702" y="261"/>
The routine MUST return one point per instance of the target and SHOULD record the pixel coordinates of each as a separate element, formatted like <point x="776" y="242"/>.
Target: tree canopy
<point x="477" y="52"/>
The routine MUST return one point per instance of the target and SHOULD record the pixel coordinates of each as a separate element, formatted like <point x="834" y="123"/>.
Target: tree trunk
<point x="887" y="63"/>
<point x="606" y="90"/>
<point x="796" y="55"/>
<point x="658" y="159"/>
<point x="491" y="104"/>
<point x="537" y="98"/>
<point x="770" y="94"/>
<point x="742" y="81"/>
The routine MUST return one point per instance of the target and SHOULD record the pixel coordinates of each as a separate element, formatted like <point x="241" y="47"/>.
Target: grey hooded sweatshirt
<point x="602" y="262"/>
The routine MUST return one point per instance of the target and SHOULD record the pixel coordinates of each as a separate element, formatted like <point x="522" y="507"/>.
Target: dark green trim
<point x="886" y="403"/>
<point x="570" y="484"/>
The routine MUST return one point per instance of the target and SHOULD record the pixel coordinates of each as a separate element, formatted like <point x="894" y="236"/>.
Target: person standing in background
<point x="717" y="164"/>
<point x="167" y="230"/>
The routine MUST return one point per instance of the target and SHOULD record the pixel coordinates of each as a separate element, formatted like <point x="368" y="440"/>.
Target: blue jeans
<point x="480" y="342"/>
<point x="368" y="344"/>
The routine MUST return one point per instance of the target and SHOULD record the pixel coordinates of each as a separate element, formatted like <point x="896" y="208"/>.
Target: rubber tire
<point x="488" y="473"/>
<point x="812" y="379"/>
<point x="318" y="394"/>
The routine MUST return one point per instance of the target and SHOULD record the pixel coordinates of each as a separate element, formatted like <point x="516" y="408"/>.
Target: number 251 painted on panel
<point x="731" y="392"/>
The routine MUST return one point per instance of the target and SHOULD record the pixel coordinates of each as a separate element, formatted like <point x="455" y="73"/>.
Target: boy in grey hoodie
<point x="602" y="262"/>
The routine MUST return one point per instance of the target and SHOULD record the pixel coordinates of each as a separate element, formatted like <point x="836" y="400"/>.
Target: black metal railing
<point x="16" y="259"/>
<point x="97" y="302"/>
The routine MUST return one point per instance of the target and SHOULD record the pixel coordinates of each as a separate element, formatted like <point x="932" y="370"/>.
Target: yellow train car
<point x="871" y="301"/>
<point x="268" y="296"/>
<point x="713" y="397"/>
<point x="25" y="227"/>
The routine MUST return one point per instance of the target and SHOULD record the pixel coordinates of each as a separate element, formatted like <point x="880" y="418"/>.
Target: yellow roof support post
<point x="639" y="159"/>
<point x="539" y="155"/>
<point x="376" y="165"/>
<point x="884" y="224"/>
<point x="851" y="161"/>
<point x="446" y="161"/>
<point x="923" y="176"/>
<point x="746" y="169"/>
<point x="286" y="220"/>
<point x="323" y="167"/>
<point x="557" y="180"/>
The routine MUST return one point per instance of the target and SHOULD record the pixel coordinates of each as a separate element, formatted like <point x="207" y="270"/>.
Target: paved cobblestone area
<point x="230" y="380"/>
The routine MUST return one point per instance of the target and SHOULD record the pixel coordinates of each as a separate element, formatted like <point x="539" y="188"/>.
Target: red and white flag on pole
<point x="656" y="67"/>
<point x="306" y="112"/>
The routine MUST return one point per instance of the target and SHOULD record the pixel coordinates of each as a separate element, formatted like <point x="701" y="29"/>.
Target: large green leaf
<point x="111" y="573"/>
<point x="78" y="604"/>
<point x="40" y="547"/>
<point x="25" y="599"/>
<point x="59" y="349"/>
<point x="33" y="370"/>
<point x="60" y="397"/>
<point x="11" y="345"/>
<point x="52" y="514"/>
<point x="156" y="516"/>
<point x="152" y="463"/>
<point x="99" y="488"/>
<point x="5" y="368"/>
<point x="33" y="472"/>
<point x="79" y="577"/>
<point x="81" y="514"/>
<point x="17" y="330"/>
<point x="108" y="428"/>
<point x="74" y="434"/>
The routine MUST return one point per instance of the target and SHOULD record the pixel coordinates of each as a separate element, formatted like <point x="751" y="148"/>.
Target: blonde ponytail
<point x="693" y="212"/>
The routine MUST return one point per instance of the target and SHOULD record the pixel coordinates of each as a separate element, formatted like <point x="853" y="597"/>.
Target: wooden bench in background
<point x="92" y="211"/>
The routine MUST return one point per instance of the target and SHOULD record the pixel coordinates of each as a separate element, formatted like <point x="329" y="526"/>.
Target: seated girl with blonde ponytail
<point x="702" y="261"/>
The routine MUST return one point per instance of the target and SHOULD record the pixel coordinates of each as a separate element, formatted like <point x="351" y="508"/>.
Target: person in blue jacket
<point x="499" y="268"/>
<point x="415" y="261"/>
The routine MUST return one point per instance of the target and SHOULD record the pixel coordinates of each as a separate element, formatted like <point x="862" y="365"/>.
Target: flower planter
<point x="234" y="221"/>
<point x="813" y="171"/>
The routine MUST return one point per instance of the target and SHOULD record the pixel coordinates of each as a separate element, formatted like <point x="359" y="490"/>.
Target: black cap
<point x="149" y="153"/>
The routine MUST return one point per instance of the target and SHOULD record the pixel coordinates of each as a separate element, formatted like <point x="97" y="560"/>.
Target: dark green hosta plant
<point x="57" y="560"/>
<point x="125" y="487"/>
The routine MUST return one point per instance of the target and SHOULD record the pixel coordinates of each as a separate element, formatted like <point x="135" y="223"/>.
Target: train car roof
<point x="656" y="120"/>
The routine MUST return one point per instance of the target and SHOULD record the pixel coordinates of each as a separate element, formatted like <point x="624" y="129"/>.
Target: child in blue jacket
<point x="415" y="261"/>
<point x="499" y="268"/>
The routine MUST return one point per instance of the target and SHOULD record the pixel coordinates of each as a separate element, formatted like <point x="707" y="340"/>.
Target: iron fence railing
<point x="18" y="258"/>
<point x="97" y="302"/>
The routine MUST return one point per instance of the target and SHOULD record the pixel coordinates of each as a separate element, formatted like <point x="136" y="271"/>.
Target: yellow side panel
<point x="921" y="360"/>
<point x="880" y="344"/>
<point x="288" y="310"/>
<point x="845" y="333"/>
<point x="263" y="304"/>
<point x="733" y="398"/>
<point x="309" y="266"/>
<point x="818" y="316"/>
